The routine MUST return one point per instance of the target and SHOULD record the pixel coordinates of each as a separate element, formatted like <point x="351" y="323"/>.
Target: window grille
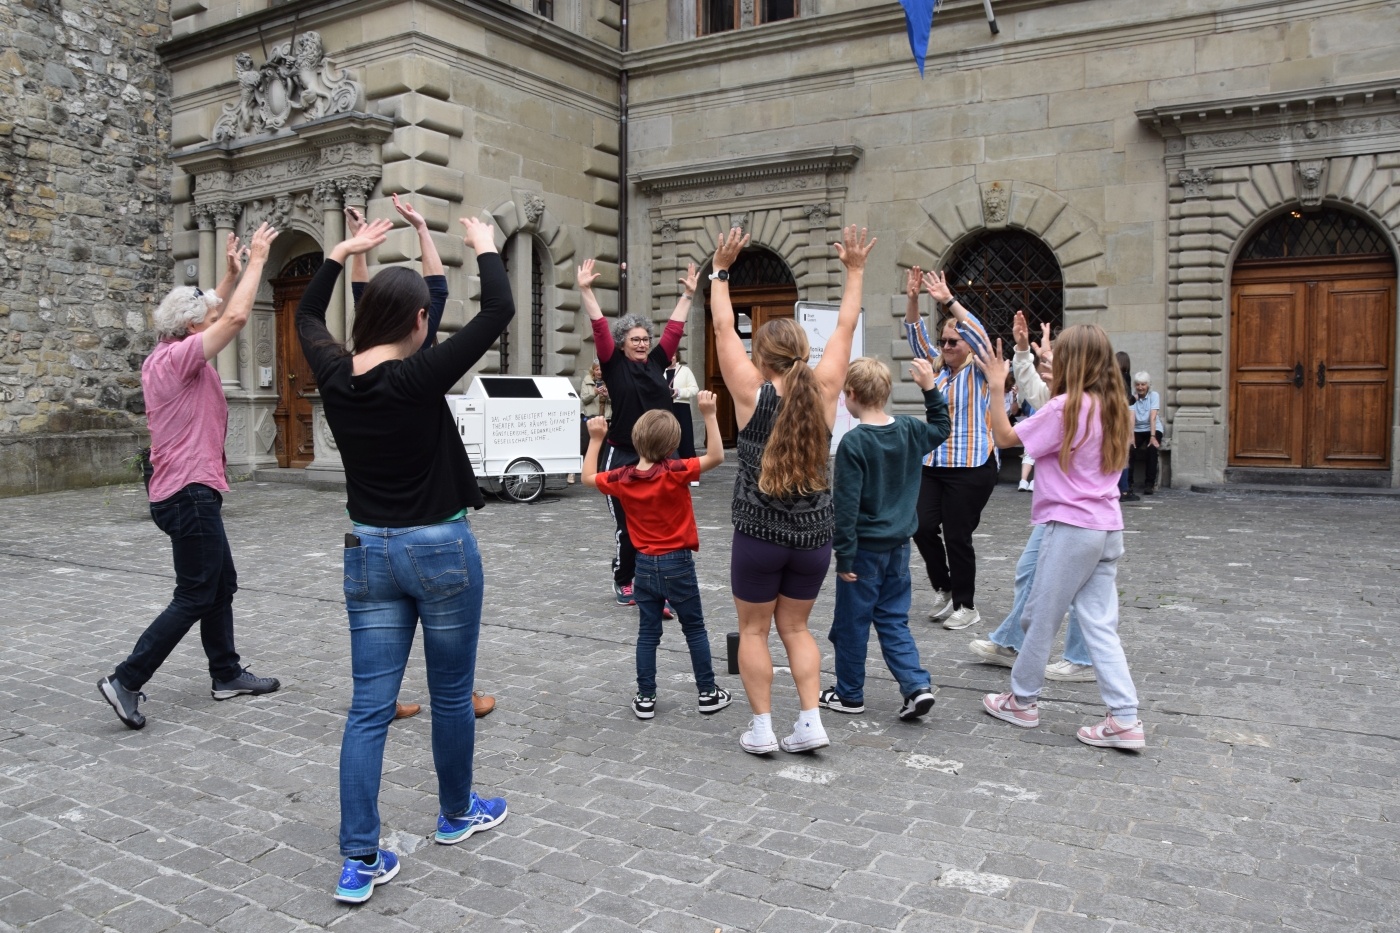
<point x="1301" y="235"/>
<point x="305" y="264"/>
<point x="536" y="313"/>
<point x="1005" y="271"/>
<point x="759" y="267"/>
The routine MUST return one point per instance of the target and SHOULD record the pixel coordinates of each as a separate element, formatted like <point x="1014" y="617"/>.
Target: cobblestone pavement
<point x="1262" y="634"/>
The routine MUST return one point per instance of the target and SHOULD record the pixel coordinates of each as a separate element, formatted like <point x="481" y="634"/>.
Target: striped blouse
<point x="970" y="443"/>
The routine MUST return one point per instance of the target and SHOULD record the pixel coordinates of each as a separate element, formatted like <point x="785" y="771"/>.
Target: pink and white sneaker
<point x="1111" y="733"/>
<point x="1004" y="707"/>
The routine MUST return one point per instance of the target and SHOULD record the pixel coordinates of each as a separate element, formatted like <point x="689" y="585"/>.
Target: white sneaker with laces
<point x="942" y="605"/>
<point x="758" y="744"/>
<point x="962" y="618"/>
<point x="990" y="652"/>
<point x="1068" y="670"/>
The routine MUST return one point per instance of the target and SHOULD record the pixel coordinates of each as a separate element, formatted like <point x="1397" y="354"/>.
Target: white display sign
<point x="818" y="319"/>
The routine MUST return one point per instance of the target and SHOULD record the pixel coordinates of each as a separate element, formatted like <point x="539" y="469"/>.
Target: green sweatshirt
<point x="876" y="488"/>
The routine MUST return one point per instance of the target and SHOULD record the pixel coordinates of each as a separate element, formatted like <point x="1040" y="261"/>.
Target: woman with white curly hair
<point x="188" y="416"/>
<point x="636" y="381"/>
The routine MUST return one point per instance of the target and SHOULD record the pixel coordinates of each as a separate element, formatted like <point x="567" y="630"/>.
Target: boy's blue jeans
<point x="663" y="578"/>
<point x="880" y="596"/>
<point x="395" y="577"/>
<point x="1010" y="634"/>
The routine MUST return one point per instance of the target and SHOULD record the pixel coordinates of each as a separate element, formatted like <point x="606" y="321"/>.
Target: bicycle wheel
<point x="523" y="480"/>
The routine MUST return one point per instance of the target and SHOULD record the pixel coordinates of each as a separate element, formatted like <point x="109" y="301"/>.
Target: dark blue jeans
<point x="670" y="578"/>
<point x="205" y="582"/>
<point x="394" y="578"/>
<point x="880" y="596"/>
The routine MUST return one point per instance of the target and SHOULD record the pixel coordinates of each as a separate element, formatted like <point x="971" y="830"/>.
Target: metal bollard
<point x="732" y="649"/>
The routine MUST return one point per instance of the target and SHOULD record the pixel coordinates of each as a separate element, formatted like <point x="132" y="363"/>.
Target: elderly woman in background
<point x="635" y="373"/>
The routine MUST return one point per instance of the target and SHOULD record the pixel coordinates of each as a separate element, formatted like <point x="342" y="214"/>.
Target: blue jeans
<point x="205" y="582"/>
<point x="881" y="596"/>
<point x="395" y="577"/>
<point x="663" y="578"/>
<point x="1010" y="634"/>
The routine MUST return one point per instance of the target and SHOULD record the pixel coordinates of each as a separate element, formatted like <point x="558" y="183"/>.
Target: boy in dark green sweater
<point x="876" y="491"/>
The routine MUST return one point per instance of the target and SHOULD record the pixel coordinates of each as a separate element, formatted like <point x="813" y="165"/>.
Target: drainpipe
<point x="622" y="173"/>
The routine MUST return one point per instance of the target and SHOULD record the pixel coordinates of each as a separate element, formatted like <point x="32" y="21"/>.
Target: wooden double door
<point x="754" y="306"/>
<point x="1312" y="364"/>
<point x="293" y="378"/>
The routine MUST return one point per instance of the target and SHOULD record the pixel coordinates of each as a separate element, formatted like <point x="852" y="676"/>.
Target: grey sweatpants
<point x="1077" y="567"/>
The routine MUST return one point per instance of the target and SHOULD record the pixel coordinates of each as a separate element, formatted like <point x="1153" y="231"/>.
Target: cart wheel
<point x="523" y="480"/>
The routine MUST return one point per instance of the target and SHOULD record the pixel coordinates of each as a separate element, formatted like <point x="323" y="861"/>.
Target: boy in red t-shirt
<point x="655" y="496"/>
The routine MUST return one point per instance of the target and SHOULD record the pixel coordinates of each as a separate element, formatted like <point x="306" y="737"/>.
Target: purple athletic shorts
<point x="759" y="571"/>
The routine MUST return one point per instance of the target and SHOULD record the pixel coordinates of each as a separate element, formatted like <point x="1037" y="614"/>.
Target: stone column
<point x="326" y="194"/>
<point x="225" y="220"/>
<point x="208" y="258"/>
<point x="355" y="189"/>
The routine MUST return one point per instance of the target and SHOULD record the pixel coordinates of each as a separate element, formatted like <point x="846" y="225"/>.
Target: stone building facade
<point x="84" y="167"/>
<point x="1215" y="182"/>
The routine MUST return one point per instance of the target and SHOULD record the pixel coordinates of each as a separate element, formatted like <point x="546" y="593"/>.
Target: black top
<point x="803" y="523"/>
<point x="404" y="461"/>
<point x="638" y="387"/>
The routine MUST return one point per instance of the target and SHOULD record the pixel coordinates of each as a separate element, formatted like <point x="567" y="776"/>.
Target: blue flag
<point x="918" y="20"/>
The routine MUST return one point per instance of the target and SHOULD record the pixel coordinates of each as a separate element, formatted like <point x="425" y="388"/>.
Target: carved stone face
<point x="243" y="61"/>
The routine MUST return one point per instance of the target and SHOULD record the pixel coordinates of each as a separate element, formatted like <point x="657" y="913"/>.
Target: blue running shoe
<point x="483" y="815"/>
<point x="357" y="880"/>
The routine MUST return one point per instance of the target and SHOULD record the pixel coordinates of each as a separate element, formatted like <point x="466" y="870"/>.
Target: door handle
<point x="1298" y="375"/>
<point x="1321" y="375"/>
<point x="293" y="376"/>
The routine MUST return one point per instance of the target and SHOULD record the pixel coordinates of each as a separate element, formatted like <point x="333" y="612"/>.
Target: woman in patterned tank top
<point x="783" y="514"/>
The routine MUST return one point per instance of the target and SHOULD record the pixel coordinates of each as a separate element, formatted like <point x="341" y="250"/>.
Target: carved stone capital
<point x="225" y="213"/>
<point x="356" y="189"/>
<point x="327" y="195"/>
<point x="1196" y="181"/>
<point x="204" y="216"/>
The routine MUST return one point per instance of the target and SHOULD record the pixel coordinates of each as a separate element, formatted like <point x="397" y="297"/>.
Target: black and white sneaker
<point x="245" y="683"/>
<point x="644" y="707"/>
<point x="124" y="701"/>
<point x="714" y="701"/>
<point x="831" y="700"/>
<point x="916" y="704"/>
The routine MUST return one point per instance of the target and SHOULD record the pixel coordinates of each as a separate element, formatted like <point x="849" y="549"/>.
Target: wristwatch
<point x="722" y="275"/>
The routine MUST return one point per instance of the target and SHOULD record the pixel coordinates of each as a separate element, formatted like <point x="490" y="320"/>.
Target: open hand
<point x="912" y="282"/>
<point x="922" y="372"/>
<point x="586" y="276"/>
<point x="407" y="212"/>
<point x="691" y="279"/>
<point x="729" y="248"/>
<point x="1043" y="349"/>
<point x="481" y="237"/>
<point x="937" y="285"/>
<point x="994" y="367"/>
<point x="708" y="402"/>
<point x="236" y="254"/>
<point x="368" y="237"/>
<point x="597" y="428"/>
<point x="354" y="221"/>
<point x="848" y="577"/>
<point x="854" y="249"/>
<point x="261" y="244"/>
<point x="1021" y="332"/>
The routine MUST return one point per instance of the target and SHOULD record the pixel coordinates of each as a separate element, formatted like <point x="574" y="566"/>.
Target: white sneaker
<point x="942" y="605"/>
<point x="805" y="740"/>
<point x="992" y="653"/>
<point x="1068" y="670"/>
<point x="756" y="744"/>
<point x="1025" y="486"/>
<point x="962" y="618"/>
<point x="1030" y="487"/>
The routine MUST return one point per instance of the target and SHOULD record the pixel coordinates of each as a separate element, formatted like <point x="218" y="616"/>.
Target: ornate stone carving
<point x="297" y="77"/>
<point x="817" y="214"/>
<point x="995" y="202"/>
<point x="273" y="211"/>
<point x="236" y="436"/>
<point x="262" y="340"/>
<point x="326" y="194"/>
<point x="265" y="430"/>
<point x="291" y="171"/>
<point x="204" y="216"/>
<point x="346" y="154"/>
<point x="739" y="220"/>
<point x="1310" y="186"/>
<point x="746" y="17"/>
<point x="356" y="189"/>
<point x="534" y="208"/>
<point x="667" y="229"/>
<point x="225" y="213"/>
<point x="324" y="440"/>
<point x="1196" y="181"/>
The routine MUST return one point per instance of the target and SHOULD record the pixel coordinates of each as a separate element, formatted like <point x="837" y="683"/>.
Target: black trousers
<point x="624" y="563"/>
<point x="205" y="582"/>
<point x="951" y="500"/>
<point x="681" y="410"/>
<point x="1143" y="449"/>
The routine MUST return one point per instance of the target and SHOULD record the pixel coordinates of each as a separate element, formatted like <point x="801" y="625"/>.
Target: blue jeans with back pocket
<point x="663" y="578"/>
<point x="394" y="578"/>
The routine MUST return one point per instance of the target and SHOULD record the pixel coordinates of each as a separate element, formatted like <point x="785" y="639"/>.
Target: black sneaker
<point x="123" y="701"/>
<point x="245" y="682"/>
<point x="916" y="704"/>
<point x="830" y="700"/>
<point x="644" y="707"/>
<point x="1130" y="497"/>
<point x="714" y="701"/>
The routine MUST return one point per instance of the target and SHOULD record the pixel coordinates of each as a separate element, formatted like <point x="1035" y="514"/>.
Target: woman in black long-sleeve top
<point x="412" y="554"/>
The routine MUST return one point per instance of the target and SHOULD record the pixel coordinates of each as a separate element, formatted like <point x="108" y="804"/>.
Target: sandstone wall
<point x="83" y="162"/>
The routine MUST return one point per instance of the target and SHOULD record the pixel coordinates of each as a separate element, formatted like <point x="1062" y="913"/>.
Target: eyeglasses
<point x="949" y="343"/>
<point x="641" y="341"/>
<point x="198" y="292"/>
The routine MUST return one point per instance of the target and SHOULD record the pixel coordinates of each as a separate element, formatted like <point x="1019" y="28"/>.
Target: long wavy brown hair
<point x="794" y="462"/>
<point x="1085" y="365"/>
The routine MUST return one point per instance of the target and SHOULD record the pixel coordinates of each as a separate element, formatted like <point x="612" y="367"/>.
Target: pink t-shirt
<point x="188" y="417"/>
<point x="1083" y="495"/>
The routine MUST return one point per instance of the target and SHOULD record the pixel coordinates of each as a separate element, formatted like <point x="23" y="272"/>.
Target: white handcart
<point x="519" y="431"/>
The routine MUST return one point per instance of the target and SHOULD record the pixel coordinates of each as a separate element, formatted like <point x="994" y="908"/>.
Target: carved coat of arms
<point x="296" y="78"/>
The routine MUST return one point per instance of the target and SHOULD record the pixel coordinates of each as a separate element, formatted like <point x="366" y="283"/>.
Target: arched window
<point x="523" y="347"/>
<point x="1313" y="234"/>
<point x="305" y="264"/>
<point x="758" y="266"/>
<point x="536" y="311"/>
<point x="1005" y="271"/>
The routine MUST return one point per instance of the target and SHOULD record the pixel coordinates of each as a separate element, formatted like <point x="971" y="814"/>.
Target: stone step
<point x="279" y="475"/>
<point x="1239" y="490"/>
<point x="1264" y="476"/>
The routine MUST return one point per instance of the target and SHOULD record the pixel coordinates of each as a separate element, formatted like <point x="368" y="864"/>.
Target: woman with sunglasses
<point x="958" y="476"/>
<point x="634" y="371"/>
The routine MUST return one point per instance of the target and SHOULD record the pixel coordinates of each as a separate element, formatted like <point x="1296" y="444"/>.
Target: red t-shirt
<point x="660" y="518"/>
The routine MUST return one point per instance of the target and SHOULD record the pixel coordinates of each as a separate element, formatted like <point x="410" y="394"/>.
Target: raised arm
<point x="995" y="370"/>
<point x="1028" y="382"/>
<point x="714" y="449"/>
<point x="236" y="253"/>
<point x="602" y="336"/>
<point x="221" y="333"/>
<point x="836" y="358"/>
<point x="741" y="376"/>
<point x="912" y="285"/>
<point x="691" y="280"/>
<point x="432" y="263"/>
<point x="937" y="423"/>
<point x="359" y="268"/>
<point x="597" y="430"/>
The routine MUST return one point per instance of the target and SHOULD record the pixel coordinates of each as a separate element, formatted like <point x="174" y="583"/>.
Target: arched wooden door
<point x="762" y="289"/>
<point x="1312" y="345"/>
<point x="294" y="380"/>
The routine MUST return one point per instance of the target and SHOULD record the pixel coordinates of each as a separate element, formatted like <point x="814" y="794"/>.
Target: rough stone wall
<point x="84" y="145"/>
